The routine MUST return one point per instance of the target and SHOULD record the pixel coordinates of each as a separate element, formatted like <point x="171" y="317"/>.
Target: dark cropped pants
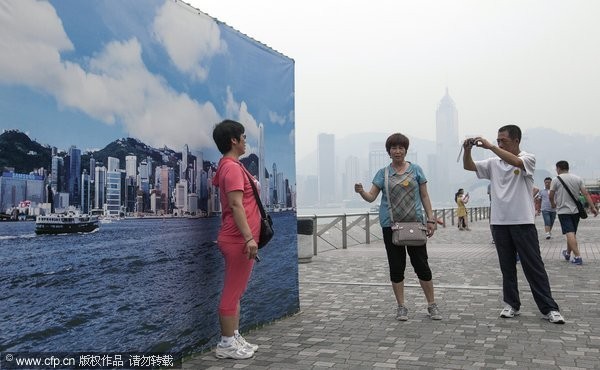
<point x="397" y="259"/>
<point x="522" y="239"/>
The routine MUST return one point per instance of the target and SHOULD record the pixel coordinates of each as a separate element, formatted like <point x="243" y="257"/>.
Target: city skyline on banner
<point x="152" y="180"/>
<point x="84" y="77"/>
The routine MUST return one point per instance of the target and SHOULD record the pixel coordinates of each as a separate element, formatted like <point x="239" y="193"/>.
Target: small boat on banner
<point x="66" y="223"/>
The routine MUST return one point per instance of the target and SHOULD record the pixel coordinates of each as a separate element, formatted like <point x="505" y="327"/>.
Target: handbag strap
<point x="263" y="214"/>
<point x="567" y="189"/>
<point x="387" y="193"/>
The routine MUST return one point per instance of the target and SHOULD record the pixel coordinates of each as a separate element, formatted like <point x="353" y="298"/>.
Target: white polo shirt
<point x="511" y="189"/>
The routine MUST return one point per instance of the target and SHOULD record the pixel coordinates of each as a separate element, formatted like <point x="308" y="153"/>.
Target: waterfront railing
<point x="335" y="230"/>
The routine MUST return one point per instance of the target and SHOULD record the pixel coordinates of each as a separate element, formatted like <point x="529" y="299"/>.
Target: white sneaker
<point x="245" y="344"/>
<point x="548" y="236"/>
<point x="508" y="312"/>
<point x="554" y="317"/>
<point x="235" y="351"/>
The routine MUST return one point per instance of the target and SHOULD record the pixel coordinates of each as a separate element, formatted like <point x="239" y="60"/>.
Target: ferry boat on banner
<point x="66" y="223"/>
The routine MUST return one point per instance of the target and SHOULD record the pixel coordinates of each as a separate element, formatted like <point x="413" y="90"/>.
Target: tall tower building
<point x="131" y="166"/>
<point x="113" y="188"/>
<point x="99" y="187"/>
<point x="264" y="190"/>
<point x="85" y="192"/>
<point x="326" y="168"/>
<point x="351" y="176"/>
<point x="74" y="176"/>
<point x="92" y="168"/>
<point x="58" y="174"/>
<point x="378" y="158"/>
<point x="164" y="176"/>
<point x="447" y="146"/>
<point x="113" y="164"/>
<point x="184" y="163"/>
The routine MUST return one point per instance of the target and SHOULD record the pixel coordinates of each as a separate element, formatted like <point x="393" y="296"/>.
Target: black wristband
<point x="431" y="222"/>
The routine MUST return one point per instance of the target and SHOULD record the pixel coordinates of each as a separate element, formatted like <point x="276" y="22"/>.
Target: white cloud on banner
<point x="276" y="118"/>
<point x="189" y="38"/>
<point x="239" y="111"/>
<point x="118" y="88"/>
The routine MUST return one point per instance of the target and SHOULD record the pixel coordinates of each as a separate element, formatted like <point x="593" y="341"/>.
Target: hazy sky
<point x="384" y="65"/>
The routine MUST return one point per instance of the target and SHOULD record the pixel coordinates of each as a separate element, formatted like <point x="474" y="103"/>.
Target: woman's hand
<point x="430" y="229"/>
<point x="251" y="249"/>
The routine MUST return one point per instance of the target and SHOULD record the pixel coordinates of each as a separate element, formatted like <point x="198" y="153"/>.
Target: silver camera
<point x="474" y="142"/>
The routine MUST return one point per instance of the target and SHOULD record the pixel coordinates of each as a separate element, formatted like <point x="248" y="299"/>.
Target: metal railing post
<point x="344" y="233"/>
<point x="315" y="231"/>
<point x="368" y="229"/>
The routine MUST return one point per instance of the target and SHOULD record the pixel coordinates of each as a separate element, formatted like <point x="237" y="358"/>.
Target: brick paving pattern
<point x="347" y="317"/>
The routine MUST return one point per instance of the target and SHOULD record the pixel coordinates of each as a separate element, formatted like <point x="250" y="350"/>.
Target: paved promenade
<point x="347" y="318"/>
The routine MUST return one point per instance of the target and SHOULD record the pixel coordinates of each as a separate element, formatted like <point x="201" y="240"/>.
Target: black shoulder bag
<point x="580" y="208"/>
<point x="266" y="224"/>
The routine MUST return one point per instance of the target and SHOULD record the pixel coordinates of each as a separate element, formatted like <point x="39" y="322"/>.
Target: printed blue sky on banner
<point x="88" y="73"/>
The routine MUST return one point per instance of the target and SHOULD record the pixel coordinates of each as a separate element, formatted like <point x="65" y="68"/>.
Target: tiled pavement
<point x="347" y="312"/>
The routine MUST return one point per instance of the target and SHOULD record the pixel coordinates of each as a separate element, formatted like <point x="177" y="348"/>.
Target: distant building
<point x="447" y="170"/>
<point x="326" y="168"/>
<point x="113" y="188"/>
<point x="85" y="192"/>
<point x="351" y="176"/>
<point x="74" y="176"/>
<point x="131" y="167"/>
<point x="264" y="189"/>
<point x="17" y="187"/>
<point x="378" y="158"/>
<point x="57" y="178"/>
<point x="99" y="187"/>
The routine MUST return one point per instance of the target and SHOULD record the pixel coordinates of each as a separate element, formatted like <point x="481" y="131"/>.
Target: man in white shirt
<point x="567" y="211"/>
<point x="512" y="219"/>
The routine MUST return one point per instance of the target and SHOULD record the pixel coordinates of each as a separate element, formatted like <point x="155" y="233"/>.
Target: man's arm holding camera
<point x="468" y="163"/>
<point x="505" y="155"/>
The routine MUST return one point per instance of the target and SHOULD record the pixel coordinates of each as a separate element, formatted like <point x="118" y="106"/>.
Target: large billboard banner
<point x="106" y="117"/>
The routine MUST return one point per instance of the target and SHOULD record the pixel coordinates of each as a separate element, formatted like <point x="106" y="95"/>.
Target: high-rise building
<point x="99" y="187"/>
<point x="181" y="197"/>
<point x="351" y="176"/>
<point x="183" y="169"/>
<point x="113" y="164"/>
<point x="17" y="187"/>
<point x="326" y="168"/>
<point x="264" y="189"/>
<point x="58" y="174"/>
<point x="131" y="166"/>
<point x="74" y="176"/>
<point x="113" y="188"/>
<point x="165" y="193"/>
<point x="85" y="192"/>
<point x="92" y="168"/>
<point x="378" y="158"/>
<point x="447" y="170"/>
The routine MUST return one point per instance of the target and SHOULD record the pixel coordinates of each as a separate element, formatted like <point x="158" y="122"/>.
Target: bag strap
<point x="567" y="189"/>
<point x="263" y="214"/>
<point x="387" y="193"/>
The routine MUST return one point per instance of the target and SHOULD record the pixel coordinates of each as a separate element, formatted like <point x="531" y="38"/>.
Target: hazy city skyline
<point x="382" y="66"/>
